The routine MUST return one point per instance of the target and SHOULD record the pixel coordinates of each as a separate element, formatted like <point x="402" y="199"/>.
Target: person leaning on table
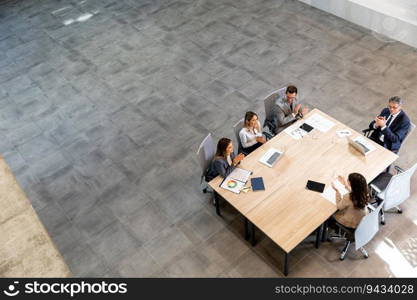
<point x="352" y="207"/>
<point x="250" y="135"/>
<point x="224" y="160"/>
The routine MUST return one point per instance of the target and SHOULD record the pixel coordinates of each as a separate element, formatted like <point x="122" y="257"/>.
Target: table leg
<point x="325" y="231"/>
<point x="319" y="235"/>
<point x="246" y="229"/>
<point x="286" y="264"/>
<point x="253" y="241"/>
<point x="216" y="202"/>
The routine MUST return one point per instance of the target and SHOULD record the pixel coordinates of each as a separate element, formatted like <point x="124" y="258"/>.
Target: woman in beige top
<point x="352" y="207"/>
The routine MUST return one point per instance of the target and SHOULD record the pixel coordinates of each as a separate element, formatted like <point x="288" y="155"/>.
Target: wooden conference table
<point x="286" y="211"/>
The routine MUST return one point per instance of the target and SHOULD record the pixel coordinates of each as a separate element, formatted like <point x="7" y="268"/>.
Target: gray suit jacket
<point x="282" y="114"/>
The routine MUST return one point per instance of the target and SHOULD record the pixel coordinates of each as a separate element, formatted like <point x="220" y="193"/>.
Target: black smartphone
<point x="315" y="186"/>
<point x="306" y="127"/>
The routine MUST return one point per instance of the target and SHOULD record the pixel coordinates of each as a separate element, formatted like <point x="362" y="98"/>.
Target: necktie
<point x="389" y="120"/>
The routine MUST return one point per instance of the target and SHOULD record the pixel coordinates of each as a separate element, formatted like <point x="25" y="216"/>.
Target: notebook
<point x="236" y="180"/>
<point x="257" y="184"/>
<point x="315" y="186"/>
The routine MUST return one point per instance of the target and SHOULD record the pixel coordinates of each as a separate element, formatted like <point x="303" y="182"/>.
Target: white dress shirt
<point x="381" y="138"/>
<point x="248" y="136"/>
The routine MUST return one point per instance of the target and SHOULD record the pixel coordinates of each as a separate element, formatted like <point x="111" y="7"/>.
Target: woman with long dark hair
<point x="352" y="207"/>
<point x="251" y="134"/>
<point x="224" y="161"/>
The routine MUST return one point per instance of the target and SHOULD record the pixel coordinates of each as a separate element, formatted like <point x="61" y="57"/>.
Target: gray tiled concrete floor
<point x="103" y="105"/>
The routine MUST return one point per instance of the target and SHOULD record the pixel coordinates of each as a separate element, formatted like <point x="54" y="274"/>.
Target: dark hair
<point x="360" y="193"/>
<point x="249" y="115"/>
<point x="291" y="89"/>
<point x="221" y="146"/>
<point x="396" y="99"/>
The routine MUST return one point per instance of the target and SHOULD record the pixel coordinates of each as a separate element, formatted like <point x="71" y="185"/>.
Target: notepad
<point x="236" y="180"/>
<point x="257" y="184"/>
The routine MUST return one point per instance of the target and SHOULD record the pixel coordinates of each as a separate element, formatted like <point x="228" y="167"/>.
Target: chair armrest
<point x="370" y="207"/>
<point x="398" y="169"/>
<point x="375" y="188"/>
<point x="366" y="132"/>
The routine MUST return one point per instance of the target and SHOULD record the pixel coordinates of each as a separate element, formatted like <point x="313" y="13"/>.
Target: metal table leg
<point x="216" y="202"/>
<point x="246" y="229"/>
<point x="325" y="231"/>
<point x="286" y="264"/>
<point x="319" y="235"/>
<point x="253" y="241"/>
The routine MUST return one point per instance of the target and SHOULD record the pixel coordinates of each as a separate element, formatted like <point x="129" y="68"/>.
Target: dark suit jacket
<point x="393" y="135"/>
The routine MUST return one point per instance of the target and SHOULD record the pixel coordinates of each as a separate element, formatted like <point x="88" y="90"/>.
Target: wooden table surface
<point x="286" y="211"/>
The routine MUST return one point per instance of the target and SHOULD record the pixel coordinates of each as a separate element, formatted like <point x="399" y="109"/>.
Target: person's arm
<point x="341" y="202"/>
<point x="398" y="135"/>
<point x="223" y="168"/>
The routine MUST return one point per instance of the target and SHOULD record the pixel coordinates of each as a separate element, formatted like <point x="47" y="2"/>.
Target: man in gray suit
<point x="286" y="110"/>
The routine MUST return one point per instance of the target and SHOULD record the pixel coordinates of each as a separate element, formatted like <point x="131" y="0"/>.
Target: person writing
<point x="250" y="135"/>
<point x="352" y="207"/>
<point x="224" y="160"/>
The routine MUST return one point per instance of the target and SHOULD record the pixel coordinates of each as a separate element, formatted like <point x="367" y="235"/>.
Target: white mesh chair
<point x="205" y="154"/>
<point x="393" y="189"/>
<point x="410" y="130"/>
<point x="269" y="104"/>
<point x="363" y="234"/>
<point x="236" y="128"/>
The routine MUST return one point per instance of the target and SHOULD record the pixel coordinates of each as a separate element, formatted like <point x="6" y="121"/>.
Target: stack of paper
<point x="236" y="180"/>
<point x="295" y="132"/>
<point x="330" y="194"/>
<point x="320" y="122"/>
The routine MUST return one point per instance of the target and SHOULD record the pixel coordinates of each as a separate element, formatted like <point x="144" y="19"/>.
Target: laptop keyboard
<point x="273" y="158"/>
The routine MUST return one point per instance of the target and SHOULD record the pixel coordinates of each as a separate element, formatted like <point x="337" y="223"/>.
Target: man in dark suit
<point x="391" y="126"/>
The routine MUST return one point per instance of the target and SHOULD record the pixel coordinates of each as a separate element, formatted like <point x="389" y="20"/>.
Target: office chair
<point x="205" y="154"/>
<point x="392" y="189"/>
<point x="269" y="104"/>
<point x="236" y="128"/>
<point x="364" y="233"/>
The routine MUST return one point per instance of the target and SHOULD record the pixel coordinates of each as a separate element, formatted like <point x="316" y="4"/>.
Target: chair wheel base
<point x="399" y="210"/>
<point x="342" y="258"/>
<point x="382" y="222"/>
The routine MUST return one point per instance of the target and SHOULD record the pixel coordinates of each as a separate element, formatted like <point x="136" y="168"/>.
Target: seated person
<point x="391" y="126"/>
<point x="286" y="111"/>
<point x="224" y="160"/>
<point x="352" y="207"/>
<point x="251" y="135"/>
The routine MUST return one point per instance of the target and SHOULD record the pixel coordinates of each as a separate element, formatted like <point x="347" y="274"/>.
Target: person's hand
<point x="304" y="111"/>
<point x="297" y="108"/>
<point x="261" y="139"/>
<point x="341" y="180"/>
<point x="333" y="186"/>
<point x="238" y="158"/>
<point x="380" y="121"/>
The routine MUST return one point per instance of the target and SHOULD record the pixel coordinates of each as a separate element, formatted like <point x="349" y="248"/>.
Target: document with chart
<point x="236" y="180"/>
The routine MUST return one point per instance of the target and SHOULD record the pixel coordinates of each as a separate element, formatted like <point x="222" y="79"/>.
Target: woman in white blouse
<point x="251" y="135"/>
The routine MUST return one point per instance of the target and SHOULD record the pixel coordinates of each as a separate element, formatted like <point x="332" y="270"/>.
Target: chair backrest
<point x="367" y="228"/>
<point x="398" y="189"/>
<point x="205" y="153"/>
<point x="236" y="128"/>
<point x="270" y="100"/>
<point x="410" y="130"/>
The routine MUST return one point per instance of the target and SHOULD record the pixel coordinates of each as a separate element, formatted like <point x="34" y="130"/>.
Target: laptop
<point x="271" y="157"/>
<point x="359" y="145"/>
